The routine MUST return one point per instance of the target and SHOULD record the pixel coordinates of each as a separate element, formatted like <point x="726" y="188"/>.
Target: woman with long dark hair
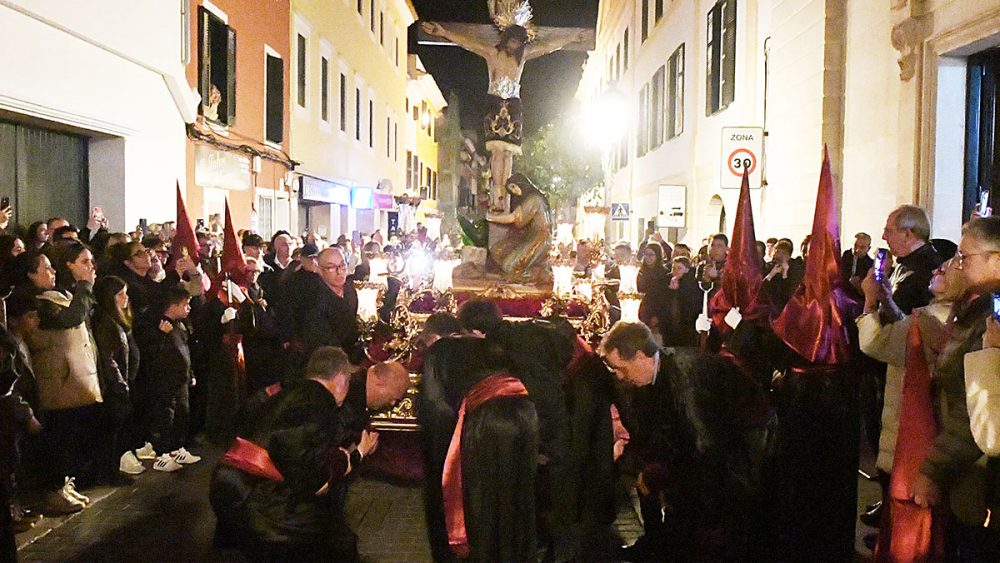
<point x="523" y="251"/>
<point x="10" y="247"/>
<point x="65" y="364"/>
<point x="117" y="366"/>
<point x="37" y="235"/>
<point x="653" y="282"/>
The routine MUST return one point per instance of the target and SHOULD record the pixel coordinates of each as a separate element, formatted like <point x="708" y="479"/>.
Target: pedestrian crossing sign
<point x="619" y="212"/>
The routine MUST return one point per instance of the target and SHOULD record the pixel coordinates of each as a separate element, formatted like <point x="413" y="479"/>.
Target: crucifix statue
<point x="506" y="45"/>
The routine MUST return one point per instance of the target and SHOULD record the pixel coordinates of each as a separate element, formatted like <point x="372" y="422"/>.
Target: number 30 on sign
<point x="741" y="151"/>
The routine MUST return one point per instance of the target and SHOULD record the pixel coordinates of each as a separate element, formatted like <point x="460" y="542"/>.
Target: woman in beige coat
<point x="65" y="364"/>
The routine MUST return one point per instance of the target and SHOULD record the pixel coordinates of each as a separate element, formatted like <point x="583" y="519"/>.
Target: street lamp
<point x="607" y="118"/>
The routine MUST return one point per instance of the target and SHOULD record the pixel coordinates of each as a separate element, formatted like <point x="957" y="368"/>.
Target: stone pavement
<point x="167" y="516"/>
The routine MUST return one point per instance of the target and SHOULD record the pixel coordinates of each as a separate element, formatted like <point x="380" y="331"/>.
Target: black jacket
<point x="912" y="277"/>
<point x="332" y="320"/>
<point x="117" y="361"/>
<point x="166" y="364"/>
<point x="849" y="268"/>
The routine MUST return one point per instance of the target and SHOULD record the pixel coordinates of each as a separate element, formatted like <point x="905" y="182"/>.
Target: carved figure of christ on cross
<point x="506" y="48"/>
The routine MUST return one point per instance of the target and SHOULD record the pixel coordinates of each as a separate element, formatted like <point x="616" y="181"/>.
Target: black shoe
<point x="873" y="517"/>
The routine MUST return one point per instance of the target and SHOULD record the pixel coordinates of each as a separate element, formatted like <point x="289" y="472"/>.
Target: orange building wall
<point x="245" y="17"/>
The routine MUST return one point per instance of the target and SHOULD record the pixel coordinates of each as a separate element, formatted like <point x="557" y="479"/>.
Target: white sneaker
<point x="69" y="489"/>
<point x="146" y="452"/>
<point x="184" y="457"/>
<point x="130" y="464"/>
<point x="58" y="502"/>
<point x="166" y="464"/>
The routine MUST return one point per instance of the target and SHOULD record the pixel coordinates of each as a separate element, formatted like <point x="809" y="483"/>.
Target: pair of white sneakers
<point x="167" y="462"/>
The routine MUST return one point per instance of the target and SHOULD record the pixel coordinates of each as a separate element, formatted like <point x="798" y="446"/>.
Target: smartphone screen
<point x="880" y="256"/>
<point x="996" y="305"/>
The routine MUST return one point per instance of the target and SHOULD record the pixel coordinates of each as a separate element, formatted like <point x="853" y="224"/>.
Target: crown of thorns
<point x="510" y="13"/>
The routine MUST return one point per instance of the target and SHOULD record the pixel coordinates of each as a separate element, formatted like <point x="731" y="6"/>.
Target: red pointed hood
<point x="233" y="261"/>
<point x="184" y="237"/>
<point x="743" y="277"/>
<point x="815" y="322"/>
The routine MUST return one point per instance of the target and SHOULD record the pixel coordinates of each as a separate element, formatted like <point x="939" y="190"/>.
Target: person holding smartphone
<point x="961" y="471"/>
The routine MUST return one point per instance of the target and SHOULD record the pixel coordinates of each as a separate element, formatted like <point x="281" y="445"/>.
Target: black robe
<point x="288" y="520"/>
<point x="700" y="434"/>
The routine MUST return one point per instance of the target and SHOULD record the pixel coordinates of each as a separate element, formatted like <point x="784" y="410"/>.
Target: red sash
<point x="251" y="459"/>
<point x="493" y="387"/>
<point x="911" y="532"/>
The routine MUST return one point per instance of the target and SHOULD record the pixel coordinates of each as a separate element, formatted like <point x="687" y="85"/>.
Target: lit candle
<point x="368" y="303"/>
<point x="562" y="280"/>
<point x="630" y="309"/>
<point x="628" y="276"/>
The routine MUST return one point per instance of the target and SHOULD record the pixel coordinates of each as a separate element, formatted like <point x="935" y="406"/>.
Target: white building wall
<point x="101" y="70"/>
<point x="902" y="139"/>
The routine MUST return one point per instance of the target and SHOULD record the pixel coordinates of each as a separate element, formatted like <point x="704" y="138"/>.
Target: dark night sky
<point x="548" y="83"/>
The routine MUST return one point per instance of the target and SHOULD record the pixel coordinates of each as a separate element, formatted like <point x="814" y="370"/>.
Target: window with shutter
<point x="357" y="114"/>
<point x="343" y="102"/>
<point x="302" y="67"/>
<point x="720" y="56"/>
<point x="371" y="124"/>
<point x="324" y="89"/>
<point x="625" y="51"/>
<point x="275" y="101"/>
<point x="217" y="68"/>
<point x="675" y="93"/>
<point x="645" y="20"/>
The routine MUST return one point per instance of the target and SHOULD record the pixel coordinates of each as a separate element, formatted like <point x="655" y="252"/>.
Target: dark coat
<point x="331" y="320"/>
<point x="166" y="364"/>
<point x="849" y="268"/>
<point x="302" y="438"/>
<point x="698" y="430"/>
<point x="117" y="361"/>
<point x="912" y="277"/>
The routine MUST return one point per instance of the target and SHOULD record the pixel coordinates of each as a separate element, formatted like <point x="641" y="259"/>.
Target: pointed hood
<point x="233" y="261"/>
<point x="184" y="237"/>
<point x="743" y="277"/>
<point x="816" y="320"/>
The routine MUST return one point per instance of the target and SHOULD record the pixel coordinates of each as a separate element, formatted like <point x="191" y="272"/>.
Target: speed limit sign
<point x="741" y="152"/>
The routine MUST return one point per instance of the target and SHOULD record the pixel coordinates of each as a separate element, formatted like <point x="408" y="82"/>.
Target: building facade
<point x="238" y="147"/>
<point x="349" y="117"/>
<point x="424" y="103"/>
<point x="883" y="84"/>
<point x="93" y="104"/>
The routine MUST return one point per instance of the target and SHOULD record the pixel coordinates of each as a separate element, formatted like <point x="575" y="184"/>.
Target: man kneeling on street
<point x="276" y="494"/>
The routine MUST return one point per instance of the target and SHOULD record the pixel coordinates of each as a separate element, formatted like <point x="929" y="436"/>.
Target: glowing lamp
<point x="368" y="303"/>
<point x="433" y="228"/>
<point x="562" y="280"/>
<point x="585" y="290"/>
<point x="443" y="270"/>
<point x="379" y="271"/>
<point x="564" y="234"/>
<point x="598" y="271"/>
<point x="630" y="309"/>
<point x="629" y="274"/>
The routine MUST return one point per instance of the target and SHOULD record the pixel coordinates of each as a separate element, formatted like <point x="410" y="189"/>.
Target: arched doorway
<point x="716" y="217"/>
